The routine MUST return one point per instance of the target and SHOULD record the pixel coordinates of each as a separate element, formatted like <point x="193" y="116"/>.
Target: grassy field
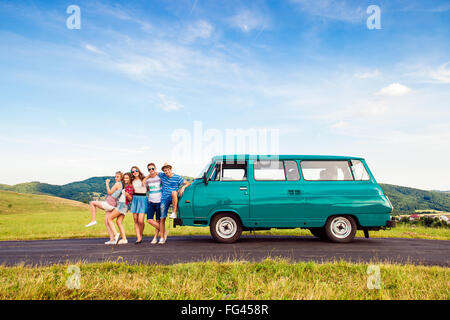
<point x="26" y="217"/>
<point x="269" y="279"/>
<point x="30" y="217"/>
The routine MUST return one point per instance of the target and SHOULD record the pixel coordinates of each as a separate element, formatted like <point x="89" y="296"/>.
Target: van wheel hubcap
<point x="341" y="227"/>
<point x="226" y="227"/>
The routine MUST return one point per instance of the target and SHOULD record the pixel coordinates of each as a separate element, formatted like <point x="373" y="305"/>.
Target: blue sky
<point x="88" y="102"/>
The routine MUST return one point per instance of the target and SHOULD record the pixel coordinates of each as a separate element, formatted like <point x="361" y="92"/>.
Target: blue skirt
<point x="139" y="204"/>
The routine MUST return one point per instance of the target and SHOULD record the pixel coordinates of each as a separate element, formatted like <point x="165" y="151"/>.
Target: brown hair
<point x="151" y="164"/>
<point x="129" y="175"/>
<point x="141" y="175"/>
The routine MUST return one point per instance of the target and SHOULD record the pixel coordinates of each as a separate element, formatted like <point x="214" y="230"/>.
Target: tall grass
<point x="269" y="279"/>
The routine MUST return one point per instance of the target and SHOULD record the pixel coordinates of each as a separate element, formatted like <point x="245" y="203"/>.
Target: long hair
<point x="129" y="175"/>
<point x="141" y="175"/>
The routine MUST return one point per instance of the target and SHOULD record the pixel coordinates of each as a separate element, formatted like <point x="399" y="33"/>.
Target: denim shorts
<point x="122" y="208"/>
<point x="165" y="204"/>
<point x="154" y="210"/>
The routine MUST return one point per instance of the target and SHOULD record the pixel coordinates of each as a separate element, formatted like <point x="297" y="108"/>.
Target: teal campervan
<point x="332" y="196"/>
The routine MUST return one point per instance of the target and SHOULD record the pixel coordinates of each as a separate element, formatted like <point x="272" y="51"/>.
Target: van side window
<point x="230" y="171"/>
<point x="291" y="169"/>
<point x="324" y="170"/>
<point x="359" y="172"/>
<point x="272" y="170"/>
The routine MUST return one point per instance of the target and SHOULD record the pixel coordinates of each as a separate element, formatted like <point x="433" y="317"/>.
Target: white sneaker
<point x="162" y="241"/>
<point x="116" y="238"/>
<point x="90" y="224"/>
<point x="155" y="240"/>
<point x="122" y="241"/>
<point x="109" y="242"/>
<point x="173" y="216"/>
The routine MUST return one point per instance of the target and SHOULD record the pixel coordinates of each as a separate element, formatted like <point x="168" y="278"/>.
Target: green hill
<point x="404" y="199"/>
<point x="82" y="191"/>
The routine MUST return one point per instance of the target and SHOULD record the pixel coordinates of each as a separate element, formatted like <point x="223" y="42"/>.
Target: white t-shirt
<point x="138" y="187"/>
<point x="154" y="189"/>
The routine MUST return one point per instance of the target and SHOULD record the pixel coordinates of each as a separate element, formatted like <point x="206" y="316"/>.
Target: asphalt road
<point x="250" y="248"/>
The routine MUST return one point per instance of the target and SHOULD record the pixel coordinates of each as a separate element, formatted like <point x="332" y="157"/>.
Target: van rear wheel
<point x="225" y="228"/>
<point x="340" y="229"/>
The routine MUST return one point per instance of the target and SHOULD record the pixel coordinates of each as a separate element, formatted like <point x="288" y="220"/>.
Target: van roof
<point x="283" y="157"/>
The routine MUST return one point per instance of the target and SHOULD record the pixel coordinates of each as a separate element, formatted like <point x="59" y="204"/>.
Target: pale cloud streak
<point x="367" y="74"/>
<point x="198" y="30"/>
<point x="441" y="74"/>
<point x="249" y="20"/>
<point x="169" y="104"/>
<point x="332" y="9"/>
<point x="93" y="49"/>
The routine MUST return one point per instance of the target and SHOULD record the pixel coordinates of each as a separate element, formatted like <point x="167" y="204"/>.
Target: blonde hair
<point x="120" y="174"/>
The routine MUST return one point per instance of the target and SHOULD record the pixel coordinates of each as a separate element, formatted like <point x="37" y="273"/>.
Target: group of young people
<point x="144" y="196"/>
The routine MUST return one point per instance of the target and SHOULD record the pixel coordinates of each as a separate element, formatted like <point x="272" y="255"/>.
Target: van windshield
<point x="205" y="169"/>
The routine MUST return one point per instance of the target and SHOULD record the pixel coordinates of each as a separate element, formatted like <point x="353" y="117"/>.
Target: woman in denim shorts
<point x="122" y="208"/>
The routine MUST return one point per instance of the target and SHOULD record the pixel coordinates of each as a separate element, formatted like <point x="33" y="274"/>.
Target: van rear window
<point x="359" y="171"/>
<point x="326" y="170"/>
<point x="275" y="170"/>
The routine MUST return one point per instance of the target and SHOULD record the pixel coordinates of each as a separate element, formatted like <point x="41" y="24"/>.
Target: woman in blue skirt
<point x="139" y="203"/>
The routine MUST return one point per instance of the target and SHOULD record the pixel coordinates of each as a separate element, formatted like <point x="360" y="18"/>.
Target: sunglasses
<point x="134" y="171"/>
<point x="151" y="169"/>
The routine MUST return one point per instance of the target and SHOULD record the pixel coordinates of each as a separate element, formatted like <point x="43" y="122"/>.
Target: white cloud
<point x="249" y="20"/>
<point x="395" y="89"/>
<point x="169" y="104"/>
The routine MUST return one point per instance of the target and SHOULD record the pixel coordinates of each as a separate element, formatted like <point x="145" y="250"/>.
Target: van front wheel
<point x="340" y="228"/>
<point x="225" y="228"/>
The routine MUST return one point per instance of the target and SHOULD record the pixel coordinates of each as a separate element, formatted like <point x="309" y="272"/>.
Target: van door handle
<point x="294" y="192"/>
<point x="243" y="188"/>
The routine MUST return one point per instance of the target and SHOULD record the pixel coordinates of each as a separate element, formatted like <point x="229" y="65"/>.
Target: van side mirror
<point x="204" y="179"/>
